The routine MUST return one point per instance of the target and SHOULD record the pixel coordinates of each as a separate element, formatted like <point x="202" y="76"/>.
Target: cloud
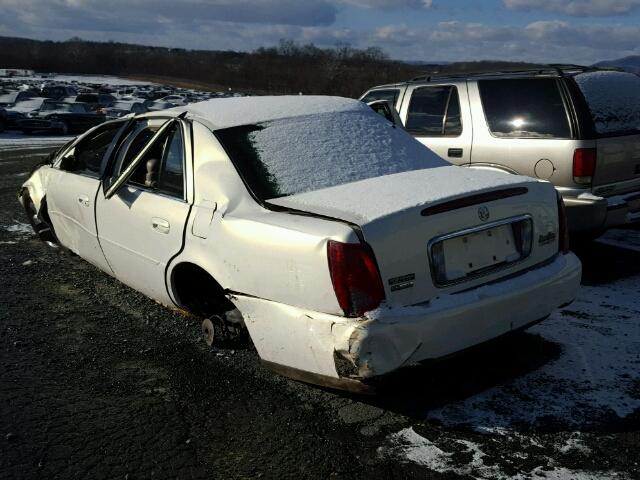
<point x="577" y="8"/>
<point x="390" y="4"/>
<point x="540" y="41"/>
<point x="223" y="25"/>
<point x="135" y="14"/>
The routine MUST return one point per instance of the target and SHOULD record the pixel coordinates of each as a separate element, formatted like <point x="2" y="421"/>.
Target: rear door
<point x="439" y="117"/>
<point x="141" y="217"/>
<point x="523" y="126"/>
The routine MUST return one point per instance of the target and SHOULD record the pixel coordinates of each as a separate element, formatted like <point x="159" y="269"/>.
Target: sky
<point x="551" y="31"/>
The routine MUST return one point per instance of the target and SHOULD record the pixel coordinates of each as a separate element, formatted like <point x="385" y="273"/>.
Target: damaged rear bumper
<point x="331" y="346"/>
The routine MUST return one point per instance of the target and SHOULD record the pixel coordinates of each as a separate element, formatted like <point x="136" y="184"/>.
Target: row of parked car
<point x="31" y="106"/>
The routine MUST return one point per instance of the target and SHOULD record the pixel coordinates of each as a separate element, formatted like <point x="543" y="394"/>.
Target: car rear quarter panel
<point x="248" y="249"/>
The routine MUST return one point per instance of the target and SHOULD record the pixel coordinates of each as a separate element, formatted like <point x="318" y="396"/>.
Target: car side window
<point x="524" y="108"/>
<point x="85" y="158"/>
<point x="390" y="95"/>
<point x="434" y="112"/>
<point x="162" y="168"/>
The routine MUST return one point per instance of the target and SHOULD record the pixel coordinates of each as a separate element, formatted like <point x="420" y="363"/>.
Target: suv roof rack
<point x="559" y="69"/>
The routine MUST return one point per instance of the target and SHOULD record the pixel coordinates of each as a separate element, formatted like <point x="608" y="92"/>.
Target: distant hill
<point x="630" y="64"/>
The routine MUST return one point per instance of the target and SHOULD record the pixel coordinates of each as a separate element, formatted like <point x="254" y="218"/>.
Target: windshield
<point x="60" y="107"/>
<point x="301" y="154"/>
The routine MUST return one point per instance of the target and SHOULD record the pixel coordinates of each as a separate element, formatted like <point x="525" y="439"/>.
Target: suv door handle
<point x="160" y="224"/>
<point x="455" y="152"/>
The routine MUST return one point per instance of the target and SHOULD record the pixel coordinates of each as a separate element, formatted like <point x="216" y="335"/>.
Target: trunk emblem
<point x="483" y="213"/>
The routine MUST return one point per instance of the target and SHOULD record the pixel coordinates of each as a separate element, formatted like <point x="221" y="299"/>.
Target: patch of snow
<point x="13" y="140"/>
<point x="600" y="338"/>
<point x="574" y="444"/>
<point x="614" y="100"/>
<point x="19" y="228"/>
<point x="407" y="445"/>
<point x="233" y="112"/>
<point x="387" y="192"/>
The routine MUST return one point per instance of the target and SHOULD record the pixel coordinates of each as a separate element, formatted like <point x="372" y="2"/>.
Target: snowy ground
<point x="557" y="412"/>
<point x="14" y="140"/>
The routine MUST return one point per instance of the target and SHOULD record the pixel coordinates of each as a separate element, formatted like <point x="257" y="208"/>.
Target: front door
<point x="142" y="217"/>
<point x="72" y="187"/>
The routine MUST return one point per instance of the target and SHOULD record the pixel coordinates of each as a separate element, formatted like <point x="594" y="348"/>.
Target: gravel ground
<point x="97" y="381"/>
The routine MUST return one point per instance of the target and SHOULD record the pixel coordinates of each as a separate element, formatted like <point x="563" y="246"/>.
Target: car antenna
<point x="183" y="114"/>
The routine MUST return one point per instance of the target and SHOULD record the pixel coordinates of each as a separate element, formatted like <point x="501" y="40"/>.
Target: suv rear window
<point x="614" y="101"/>
<point x="390" y="95"/>
<point x="525" y="108"/>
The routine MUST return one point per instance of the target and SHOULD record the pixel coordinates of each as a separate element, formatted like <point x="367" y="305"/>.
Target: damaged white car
<point x="345" y="247"/>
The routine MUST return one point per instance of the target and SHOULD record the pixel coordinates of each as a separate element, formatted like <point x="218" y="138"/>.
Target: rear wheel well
<point x="197" y="291"/>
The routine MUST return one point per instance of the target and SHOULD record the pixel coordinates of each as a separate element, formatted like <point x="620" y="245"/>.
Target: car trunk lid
<point x="470" y="220"/>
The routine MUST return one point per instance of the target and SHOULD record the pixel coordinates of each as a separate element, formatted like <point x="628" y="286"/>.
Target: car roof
<point x="228" y="112"/>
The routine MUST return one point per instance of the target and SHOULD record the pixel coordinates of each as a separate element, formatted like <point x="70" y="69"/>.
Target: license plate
<point x="467" y="254"/>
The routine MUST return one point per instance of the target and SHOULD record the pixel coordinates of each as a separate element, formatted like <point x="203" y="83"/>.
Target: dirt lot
<point x="97" y="381"/>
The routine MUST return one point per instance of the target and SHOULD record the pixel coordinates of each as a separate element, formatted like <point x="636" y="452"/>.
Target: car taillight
<point x="584" y="165"/>
<point x="355" y="277"/>
<point x="563" y="230"/>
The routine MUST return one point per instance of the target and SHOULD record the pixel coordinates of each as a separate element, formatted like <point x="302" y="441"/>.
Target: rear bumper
<point x="589" y="212"/>
<point x="389" y="338"/>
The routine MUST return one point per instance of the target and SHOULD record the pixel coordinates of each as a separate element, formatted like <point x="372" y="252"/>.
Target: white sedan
<point x="345" y="247"/>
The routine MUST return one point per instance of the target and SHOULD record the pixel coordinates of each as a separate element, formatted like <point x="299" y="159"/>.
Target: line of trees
<point x="286" y="68"/>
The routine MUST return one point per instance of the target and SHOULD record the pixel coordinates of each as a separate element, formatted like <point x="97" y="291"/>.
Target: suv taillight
<point x="584" y="165"/>
<point x="563" y="230"/>
<point x="355" y="277"/>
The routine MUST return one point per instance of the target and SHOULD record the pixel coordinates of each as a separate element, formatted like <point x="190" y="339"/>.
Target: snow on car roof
<point x="237" y="111"/>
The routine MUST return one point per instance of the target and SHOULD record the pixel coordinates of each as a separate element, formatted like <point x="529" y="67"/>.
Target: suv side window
<point x="434" y="112"/>
<point x="390" y="95"/>
<point x="525" y="108"/>
<point x="162" y="168"/>
<point x="86" y="157"/>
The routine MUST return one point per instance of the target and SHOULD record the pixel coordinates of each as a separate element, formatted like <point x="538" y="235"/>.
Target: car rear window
<point x="390" y="95"/>
<point x="525" y="108"/>
<point x="614" y="101"/>
<point x="300" y="154"/>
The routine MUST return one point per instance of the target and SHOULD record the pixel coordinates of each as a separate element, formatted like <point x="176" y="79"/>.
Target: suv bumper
<point x="589" y="212"/>
<point x="331" y="347"/>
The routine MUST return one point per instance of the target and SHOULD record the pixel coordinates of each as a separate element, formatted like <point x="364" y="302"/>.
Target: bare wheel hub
<point x="208" y="331"/>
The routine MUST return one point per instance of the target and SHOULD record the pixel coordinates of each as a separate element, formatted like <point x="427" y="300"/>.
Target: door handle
<point x="160" y="224"/>
<point x="455" y="152"/>
<point x="83" y="200"/>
